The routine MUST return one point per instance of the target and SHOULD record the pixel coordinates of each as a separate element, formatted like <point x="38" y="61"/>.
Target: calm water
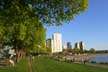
<point x="100" y="58"/>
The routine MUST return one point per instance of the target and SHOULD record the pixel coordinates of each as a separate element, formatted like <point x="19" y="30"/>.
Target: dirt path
<point x="29" y="64"/>
<point x="97" y="65"/>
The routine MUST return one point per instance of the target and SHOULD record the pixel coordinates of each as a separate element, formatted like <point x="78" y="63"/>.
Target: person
<point x="11" y="62"/>
<point x="84" y="61"/>
<point x="74" y="59"/>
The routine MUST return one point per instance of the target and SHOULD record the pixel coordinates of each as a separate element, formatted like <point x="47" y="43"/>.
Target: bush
<point x="103" y="63"/>
<point x="93" y="61"/>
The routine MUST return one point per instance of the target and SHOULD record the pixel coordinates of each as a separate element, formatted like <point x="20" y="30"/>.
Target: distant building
<point x="49" y="43"/>
<point x="57" y="43"/>
<point x="77" y="45"/>
<point x="69" y="45"/>
<point x="81" y="45"/>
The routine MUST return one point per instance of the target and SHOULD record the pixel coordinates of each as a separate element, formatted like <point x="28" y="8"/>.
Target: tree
<point x="38" y="39"/>
<point x="69" y="50"/>
<point x="76" y="50"/>
<point x="92" y="50"/>
<point x="47" y="11"/>
<point x="86" y="51"/>
<point x="20" y="19"/>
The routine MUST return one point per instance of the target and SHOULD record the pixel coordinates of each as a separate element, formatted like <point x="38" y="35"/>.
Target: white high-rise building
<point x="57" y="43"/>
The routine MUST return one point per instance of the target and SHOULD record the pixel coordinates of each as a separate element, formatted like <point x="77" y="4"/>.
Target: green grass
<point x="19" y="67"/>
<point x="46" y="64"/>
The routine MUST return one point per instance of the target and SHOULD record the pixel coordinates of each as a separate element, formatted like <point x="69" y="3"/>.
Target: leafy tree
<point x="48" y="50"/>
<point x="92" y="50"/>
<point x="76" y="50"/>
<point x="38" y="40"/>
<point x="21" y="20"/>
<point x="47" y="11"/>
<point x="69" y="50"/>
<point x="86" y="51"/>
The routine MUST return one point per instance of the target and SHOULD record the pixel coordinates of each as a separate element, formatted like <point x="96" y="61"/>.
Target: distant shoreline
<point x="81" y="57"/>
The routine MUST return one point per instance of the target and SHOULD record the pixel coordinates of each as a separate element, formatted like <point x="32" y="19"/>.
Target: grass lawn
<point x="45" y="64"/>
<point x="19" y="67"/>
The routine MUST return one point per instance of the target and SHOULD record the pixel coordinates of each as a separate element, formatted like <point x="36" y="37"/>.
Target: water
<point x="102" y="58"/>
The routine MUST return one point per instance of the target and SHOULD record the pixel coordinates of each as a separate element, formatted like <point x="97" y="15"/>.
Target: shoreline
<point x="81" y="57"/>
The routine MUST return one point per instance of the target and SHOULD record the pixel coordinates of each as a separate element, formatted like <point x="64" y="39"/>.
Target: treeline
<point x="77" y="51"/>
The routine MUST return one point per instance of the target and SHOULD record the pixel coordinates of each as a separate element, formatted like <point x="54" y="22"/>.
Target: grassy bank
<point x="46" y="64"/>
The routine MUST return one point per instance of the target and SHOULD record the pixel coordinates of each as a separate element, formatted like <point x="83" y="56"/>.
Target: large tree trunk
<point x="20" y="54"/>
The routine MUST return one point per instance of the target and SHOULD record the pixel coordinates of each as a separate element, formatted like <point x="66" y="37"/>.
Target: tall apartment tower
<point x="57" y="43"/>
<point x="49" y="43"/>
<point x="69" y="45"/>
<point x="77" y="45"/>
<point x="81" y="45"/>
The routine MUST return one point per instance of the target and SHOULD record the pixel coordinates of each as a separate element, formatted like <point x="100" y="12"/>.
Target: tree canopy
<point x="47" y="11"/>
<point x="21" y="21"/>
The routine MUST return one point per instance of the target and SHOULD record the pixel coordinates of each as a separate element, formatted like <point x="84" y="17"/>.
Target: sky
<point x="90" y="27"/>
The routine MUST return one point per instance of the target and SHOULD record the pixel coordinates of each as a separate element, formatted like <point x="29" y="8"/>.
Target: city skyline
<point x="90" y="27"/>
<point x="55" y="43"/>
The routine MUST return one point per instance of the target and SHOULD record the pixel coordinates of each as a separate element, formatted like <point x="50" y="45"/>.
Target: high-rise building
<point x="81" y="45"/>
<point x="69" y="45"/>
<point x="49" y="43"/>
<point x="77" y="45"/>
<point x="57" y="42"/>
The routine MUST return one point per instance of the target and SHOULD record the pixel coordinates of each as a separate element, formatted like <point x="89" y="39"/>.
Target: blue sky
<point x="90" y="27"/>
